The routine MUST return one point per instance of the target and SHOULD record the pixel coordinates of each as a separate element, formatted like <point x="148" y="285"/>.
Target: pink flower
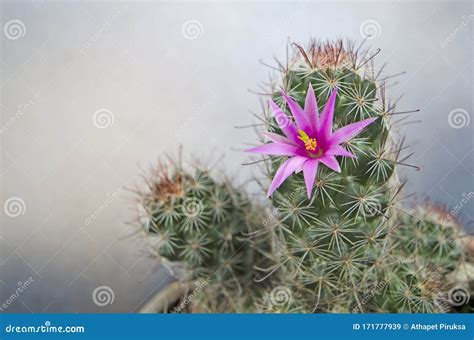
<point x="309" y="140"/>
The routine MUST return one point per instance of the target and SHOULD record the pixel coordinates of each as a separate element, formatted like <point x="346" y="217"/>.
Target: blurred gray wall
<point x="94" y="91"/>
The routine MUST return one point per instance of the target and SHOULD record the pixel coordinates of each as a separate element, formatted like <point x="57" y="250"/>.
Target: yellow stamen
<point x="309" y="143"/>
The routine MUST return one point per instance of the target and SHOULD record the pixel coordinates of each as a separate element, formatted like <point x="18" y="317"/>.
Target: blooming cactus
<point x="338" y="251"/>
<point x="337" y="240"/>
<point x="309" y="141"/>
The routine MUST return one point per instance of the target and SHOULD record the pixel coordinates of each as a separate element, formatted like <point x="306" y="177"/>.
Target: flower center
<point x="309" y="143"/>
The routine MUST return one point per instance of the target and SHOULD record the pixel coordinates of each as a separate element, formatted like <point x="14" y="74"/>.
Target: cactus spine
<point x="344" y="250"/>
<point x="200" y="226"/>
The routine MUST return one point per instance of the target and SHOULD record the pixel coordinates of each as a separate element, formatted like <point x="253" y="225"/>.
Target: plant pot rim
<point x="168" y="297"/>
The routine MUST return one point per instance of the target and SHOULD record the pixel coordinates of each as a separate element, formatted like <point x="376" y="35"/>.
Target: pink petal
<point x="349" y="131"/>
<point x="291" y="165"/>
<point x="300" y="116"/>
<point x="311" y="108"/>
<point x="274" y="137"/>
<point x="331" y="162"/>
<point x="284" y="122"/>
<point x="310" y="168"/>
<point x="326" y="118"/>
<point x="276" y="149"/>
<point x="337" y="150"/>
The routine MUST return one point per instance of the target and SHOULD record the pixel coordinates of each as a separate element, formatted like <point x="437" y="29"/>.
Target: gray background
<point x="166" y="84"/>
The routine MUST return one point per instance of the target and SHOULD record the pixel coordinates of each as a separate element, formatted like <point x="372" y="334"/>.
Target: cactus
<point x="199" y="226"/>
<point x="338" y="238"/>
<point x="428" y="246"/>
<point x="342" y="249"/>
